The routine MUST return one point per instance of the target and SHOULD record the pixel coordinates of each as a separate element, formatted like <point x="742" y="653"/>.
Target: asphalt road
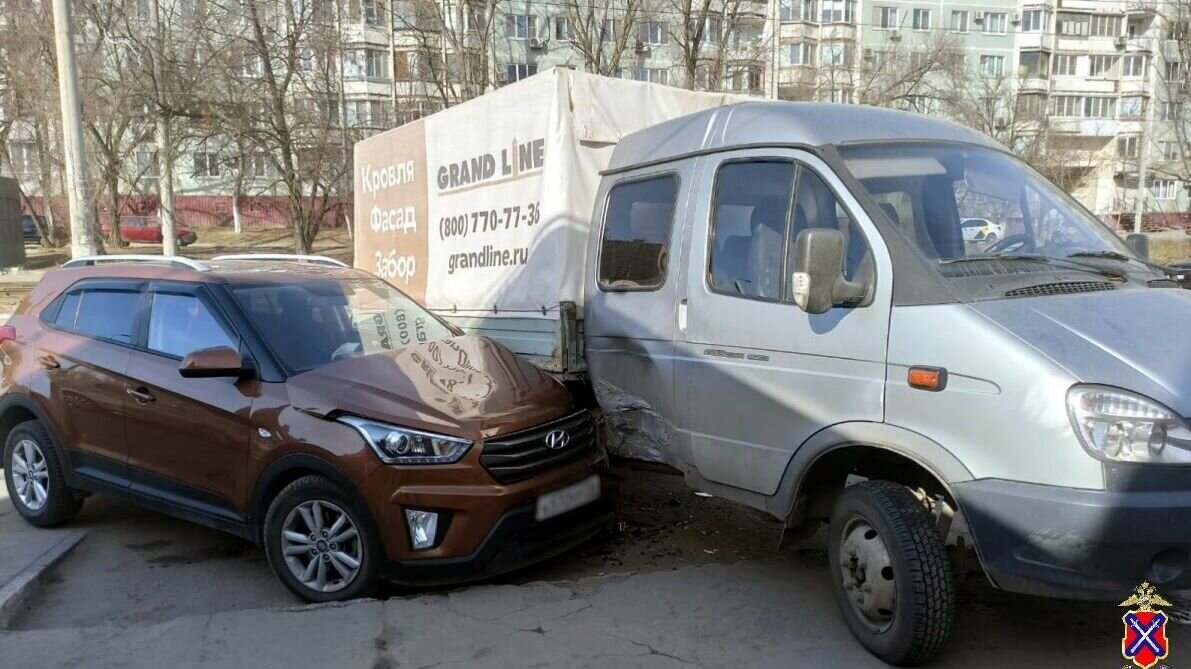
<point x="688" y="580"/>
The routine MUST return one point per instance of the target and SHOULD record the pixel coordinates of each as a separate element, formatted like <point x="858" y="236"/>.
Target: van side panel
<point x="1003" y="412"/>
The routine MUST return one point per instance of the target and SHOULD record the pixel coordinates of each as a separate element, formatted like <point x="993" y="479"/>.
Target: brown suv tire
<point x="313" y="409"/>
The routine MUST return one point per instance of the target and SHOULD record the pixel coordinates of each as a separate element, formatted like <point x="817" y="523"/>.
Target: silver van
<point x="783" y="295"/>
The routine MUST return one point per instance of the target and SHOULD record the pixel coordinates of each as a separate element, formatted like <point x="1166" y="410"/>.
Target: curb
<point x="21" y="587"/>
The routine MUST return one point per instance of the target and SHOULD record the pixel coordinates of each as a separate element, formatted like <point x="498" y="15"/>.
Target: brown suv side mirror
<point x="214" y="362"/>
<point x="818" y="280"/>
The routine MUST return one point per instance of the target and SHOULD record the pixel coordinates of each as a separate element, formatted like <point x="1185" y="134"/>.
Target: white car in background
<point x="982" y="230"/>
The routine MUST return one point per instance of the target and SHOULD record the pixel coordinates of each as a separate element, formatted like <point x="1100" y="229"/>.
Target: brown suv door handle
<point x="48" y="361"/>
<point x="141" y="395"/>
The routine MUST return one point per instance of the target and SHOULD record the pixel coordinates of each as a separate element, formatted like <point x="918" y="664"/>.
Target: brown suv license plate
<point x="569" y="498"/>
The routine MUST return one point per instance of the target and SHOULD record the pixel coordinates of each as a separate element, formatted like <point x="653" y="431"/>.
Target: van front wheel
<point x="891" y="572"/>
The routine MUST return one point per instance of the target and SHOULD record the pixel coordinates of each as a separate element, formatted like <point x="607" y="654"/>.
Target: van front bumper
<point x="1078" y="544"/>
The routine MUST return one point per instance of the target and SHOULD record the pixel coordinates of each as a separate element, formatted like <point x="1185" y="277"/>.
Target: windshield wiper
<point x="1044" y="260"/>
<point x="1111" y="255"/>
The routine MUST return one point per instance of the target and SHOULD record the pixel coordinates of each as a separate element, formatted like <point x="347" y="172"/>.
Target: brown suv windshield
<point x="311" y="322"/>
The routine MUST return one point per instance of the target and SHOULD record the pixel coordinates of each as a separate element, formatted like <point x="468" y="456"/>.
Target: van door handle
<point x="48" y="361"/>
<point x="141" y="395"/>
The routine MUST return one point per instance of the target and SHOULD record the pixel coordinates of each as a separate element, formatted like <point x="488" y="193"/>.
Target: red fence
<point x="208" y="211"/>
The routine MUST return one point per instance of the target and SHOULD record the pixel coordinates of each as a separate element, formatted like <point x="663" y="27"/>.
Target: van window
<point x="637" y="226"/>
<point x="752" y="206"/>
<point x="816" y="206"/>
<point x="106" y="314"/>
<point x="182" y="324"/>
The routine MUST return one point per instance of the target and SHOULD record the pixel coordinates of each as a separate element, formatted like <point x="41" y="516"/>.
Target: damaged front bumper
<point x="1078" y="544"/>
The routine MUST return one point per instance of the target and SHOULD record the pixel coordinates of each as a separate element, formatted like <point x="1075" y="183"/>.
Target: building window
<point x="1127" y="146"/>
<point x="1134" y="66"/>
<point x="206" y="163"/>
<point x="306" y="60"/>
<point x="831" y="54"/>
<point x="633" y="251"/>
<point x="1065" y="65"/>
<point x="258" y="166"/>
<point x="1033" y="21"/>
<point x="1033" y="64"/>
<point x="24" y="157"/>
<point x="372" y="11"/>
<point x="1031" y="106"/>
<point x="887" y="17"/>
<point x="839" y="96"/>
<point x="652" y="33"/>
<point x="521" y="26"/>
<point x="1131" y="107"/>
<point x="609" y="29"/>
<point x="923" y="104"/>
<point x="405" y="14"/>
<point x="922" y="19"/>
<point x="562" y="29"/>
<point x="796" y="10"/>
<point x="366" y="64"/>
<point x="1105" y="25"/>
<point x="995" y="23"/>
<point x="1100" y="107"/>
<point x="959" y="21"/>
<point x="1101" y="66"/>
<point x="519" y="71"/>
<point x="1165" y="189"/>
<point x="1067" y="105"/>
<point x="838" y="11"/>
<point x="366" y="114"/>
<point x="799" y="53"/>
<point x="1073" y="25"/>
<point x="654" y="75"/>
<point x="742" y="78"/>
<point x="1174" y="71"/>
<point x="992" y="66"/>
<point x="252" y="66"/>
<point x="1168" y="150"/>
<point x="146" y="163"/>
<point x="1172" y="111"/>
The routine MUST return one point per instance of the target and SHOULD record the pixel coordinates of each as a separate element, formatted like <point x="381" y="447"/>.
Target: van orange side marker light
<point x="933" y="379"/>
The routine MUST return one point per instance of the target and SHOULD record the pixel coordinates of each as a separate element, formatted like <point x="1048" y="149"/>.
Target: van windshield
<point x="960" y="203"/>
<point x="309" y="323"/>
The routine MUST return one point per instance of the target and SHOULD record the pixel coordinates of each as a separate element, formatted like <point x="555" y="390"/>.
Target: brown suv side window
<point x="102" y="313"/>
<point x="182" y="324"/>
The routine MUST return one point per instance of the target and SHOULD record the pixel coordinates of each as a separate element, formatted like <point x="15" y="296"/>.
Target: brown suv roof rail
<point x="91" y="261"/>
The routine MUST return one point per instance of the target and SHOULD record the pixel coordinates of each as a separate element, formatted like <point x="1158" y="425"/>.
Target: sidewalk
<point x="26" y="554"/>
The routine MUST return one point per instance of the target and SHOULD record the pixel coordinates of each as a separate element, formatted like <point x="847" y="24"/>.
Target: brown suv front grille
<point x="522" y="455"/>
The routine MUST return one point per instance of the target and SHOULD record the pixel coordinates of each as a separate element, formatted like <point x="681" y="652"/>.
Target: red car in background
<point x="148" y="230"/>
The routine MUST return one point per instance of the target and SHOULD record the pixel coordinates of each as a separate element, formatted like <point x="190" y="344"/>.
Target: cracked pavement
<point x="757" y="613"/>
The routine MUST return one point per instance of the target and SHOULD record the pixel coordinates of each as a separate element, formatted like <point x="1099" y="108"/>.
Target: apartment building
<point x="1097" y="77"/>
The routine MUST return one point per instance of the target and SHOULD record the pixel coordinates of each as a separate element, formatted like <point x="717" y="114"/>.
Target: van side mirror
<point x="219" y="361"/>
<point x="818" y="281"/>
<point x="1140" y="244"/>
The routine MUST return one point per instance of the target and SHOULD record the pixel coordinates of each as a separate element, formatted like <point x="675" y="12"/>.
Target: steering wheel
<point x="1012" y="242"/>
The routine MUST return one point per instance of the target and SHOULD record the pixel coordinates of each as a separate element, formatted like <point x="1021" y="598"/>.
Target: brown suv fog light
<point x="423" y="528"/>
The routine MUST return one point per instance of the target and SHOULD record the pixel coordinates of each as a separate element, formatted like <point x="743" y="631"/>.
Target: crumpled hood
<point x="466" y="386"/>
<point x="1135" y="339"/>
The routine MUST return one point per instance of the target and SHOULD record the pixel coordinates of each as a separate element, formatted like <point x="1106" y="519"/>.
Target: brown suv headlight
<point x="1121" y="426"/>
<point x="402" y="446"/>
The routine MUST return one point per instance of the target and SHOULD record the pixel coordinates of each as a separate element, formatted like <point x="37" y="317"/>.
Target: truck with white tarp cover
<point x="482" y="211"/>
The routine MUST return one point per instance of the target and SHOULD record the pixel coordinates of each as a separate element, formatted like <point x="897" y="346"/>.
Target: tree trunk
<point x="237" y="220"/>
<point x="165" y="187"/>
<point x="113" y="184"/>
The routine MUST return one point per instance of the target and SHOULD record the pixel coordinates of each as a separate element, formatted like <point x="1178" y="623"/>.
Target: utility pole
<point x="78" y="195"/>
<point x="1143" y="146"/>
<point x="165" y="149"/>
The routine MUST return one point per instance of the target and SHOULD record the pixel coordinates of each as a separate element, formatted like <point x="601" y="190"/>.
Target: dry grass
<point x="1170" y="249"/>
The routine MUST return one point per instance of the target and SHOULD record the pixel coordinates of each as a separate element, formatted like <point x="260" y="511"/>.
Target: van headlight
<point x="1118" y="425"/>
<point x="402" y="446"/>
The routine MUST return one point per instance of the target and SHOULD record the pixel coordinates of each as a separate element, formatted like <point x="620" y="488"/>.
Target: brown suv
<point x="310" y="407"/>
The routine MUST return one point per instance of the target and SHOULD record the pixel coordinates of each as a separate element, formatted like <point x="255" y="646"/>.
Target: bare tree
<point x="447" y="47"/>
<point x="276" y="70"/>
<point x="915" y="75"/>
<point x="602" y="32"/>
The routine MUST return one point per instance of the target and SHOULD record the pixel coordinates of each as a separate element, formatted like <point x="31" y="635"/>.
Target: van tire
<point x="62" y="503"/>
<point x="365" y="547"/>
<point x="905" y="549"/>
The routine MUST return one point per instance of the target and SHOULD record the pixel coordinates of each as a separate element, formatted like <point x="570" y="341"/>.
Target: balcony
<point x="1085" y="127"/>
<point x="799" y="31"/>
<point x="1136" y="7"/>
<point x="1140" y="44"/>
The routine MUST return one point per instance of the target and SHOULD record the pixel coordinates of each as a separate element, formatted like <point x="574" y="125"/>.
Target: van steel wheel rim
<point x="322" y="546"/>
<point x="867" y="574"/>
<point x="30" y="474"/>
